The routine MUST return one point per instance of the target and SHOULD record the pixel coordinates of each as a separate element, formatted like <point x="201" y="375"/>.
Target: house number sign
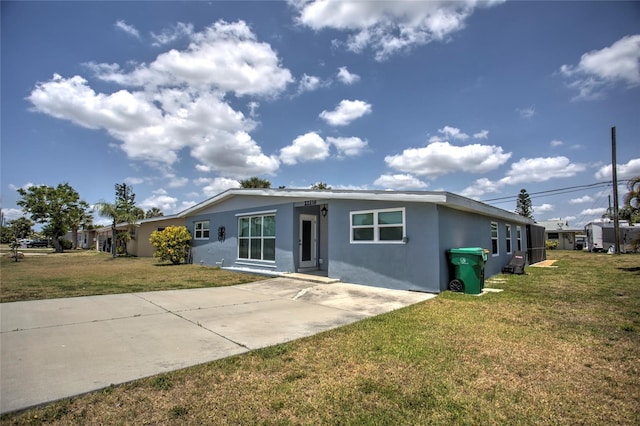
<point x="311" y="202"/>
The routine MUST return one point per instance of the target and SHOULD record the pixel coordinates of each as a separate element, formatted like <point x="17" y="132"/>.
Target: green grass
<point x="88" y="273"/>
<point x="557" y="346"/>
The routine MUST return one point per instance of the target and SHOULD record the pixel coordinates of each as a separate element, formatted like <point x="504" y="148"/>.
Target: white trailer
<point x="601" y="236"/>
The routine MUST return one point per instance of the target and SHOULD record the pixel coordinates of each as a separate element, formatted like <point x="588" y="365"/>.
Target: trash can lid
<point x="479" y="251"/>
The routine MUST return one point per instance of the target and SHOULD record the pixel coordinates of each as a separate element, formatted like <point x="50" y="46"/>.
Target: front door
<point x="308" y="241"/>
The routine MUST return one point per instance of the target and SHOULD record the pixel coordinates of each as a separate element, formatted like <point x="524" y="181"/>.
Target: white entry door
<point x="308" y="241"/>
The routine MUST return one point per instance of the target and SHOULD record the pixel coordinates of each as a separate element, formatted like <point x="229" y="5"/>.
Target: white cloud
<point x="593" y="212"/>
<point x="203" y="168"/>
<point x="307" y="147"/>
<point x="134" y="180"/>
<point x="211" y="187"/>
<point x="224" y="57"/>
<point x="161" y="200"/>
<point x="481" y="187"/>
<point x="346" y="77"/>
<point x="25" y="186"/>
<point x="388" y="27"/>
<point x="556" y="143"/>
<point x="346" y="112"/>
<point x="625" y="171"/>
<point x="169" y="35"/>
<point x="526" y="170"/>
<point x="309" y="83"/>
<point x="543" y="208"/>
<point x="12" y="214"/>
<point x="181" y="104"/>
<point x="618" y="63"/>
<point x="348" y="147"/>
<point x="440" y="158"/>
<point x="541" y="169"/>
<point x="400" y="181"/>
<point x="482" y="134"/>
<point x="580" y="200"/>
<point x="127" y="29"/>
<point x="526" y="112"/>
<point x="449" y="133"/>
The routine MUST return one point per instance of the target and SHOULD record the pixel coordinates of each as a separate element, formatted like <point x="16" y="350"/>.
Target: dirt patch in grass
<point x="557" y="346"/>
<point x="87" y="273"/>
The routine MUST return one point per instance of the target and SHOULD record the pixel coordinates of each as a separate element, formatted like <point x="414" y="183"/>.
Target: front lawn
<point x="558" y="346"/>
<point x="87" y="273"/>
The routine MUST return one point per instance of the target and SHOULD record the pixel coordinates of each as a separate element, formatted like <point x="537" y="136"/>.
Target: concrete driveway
<point x="52" y="349"/>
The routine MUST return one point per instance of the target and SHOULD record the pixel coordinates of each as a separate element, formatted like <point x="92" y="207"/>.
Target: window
<point x="378" y="226"/>
<point x="519" y="238"/>
<point x="508" y="237"/>
<point x="201" y="230"/>
<point x="494" y="238"/>
<point x="553" y="236"/>
<point x="257" y="237"/>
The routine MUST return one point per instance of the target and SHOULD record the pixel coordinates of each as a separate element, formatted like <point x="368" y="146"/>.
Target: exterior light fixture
<point x="324" y="211"/>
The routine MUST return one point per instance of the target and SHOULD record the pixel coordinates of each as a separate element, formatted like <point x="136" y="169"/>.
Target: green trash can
<point x="467" y="266"/>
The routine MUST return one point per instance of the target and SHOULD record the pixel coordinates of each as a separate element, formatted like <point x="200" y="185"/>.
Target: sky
<point x="180" y="100"/>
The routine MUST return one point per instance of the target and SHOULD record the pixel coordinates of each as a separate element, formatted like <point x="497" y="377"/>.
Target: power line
<point x="550" y="192"/>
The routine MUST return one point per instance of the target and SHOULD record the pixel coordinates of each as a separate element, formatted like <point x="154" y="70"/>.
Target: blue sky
<point x="182" y="99"/>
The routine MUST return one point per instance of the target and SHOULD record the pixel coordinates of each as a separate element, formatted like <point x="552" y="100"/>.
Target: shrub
<point x="551" y="244"/>
<point x="66" y="244"/>
<point x="172" y="244"/>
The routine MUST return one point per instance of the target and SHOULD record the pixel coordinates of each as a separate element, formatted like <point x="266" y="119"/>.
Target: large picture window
<point x="378" y="226"/>
<point x="257" y="237"/>
<point x="494" y="238"/>
<point x="201" y="230"/>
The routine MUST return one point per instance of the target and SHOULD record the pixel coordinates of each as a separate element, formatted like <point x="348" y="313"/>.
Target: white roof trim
<point x="448" y="199"/>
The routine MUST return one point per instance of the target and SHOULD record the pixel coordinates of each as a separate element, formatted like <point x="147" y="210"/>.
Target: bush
<point x="551" y="244"/>
<point x="66" y="244"/>
<point x="172" y="244"/>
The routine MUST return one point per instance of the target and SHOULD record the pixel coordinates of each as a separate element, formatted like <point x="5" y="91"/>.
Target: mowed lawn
<point x="558" y="346"/>
<point x="86" y="273"/>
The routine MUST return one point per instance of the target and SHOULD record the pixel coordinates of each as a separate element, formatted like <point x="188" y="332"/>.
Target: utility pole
<point x="614" y="173"/>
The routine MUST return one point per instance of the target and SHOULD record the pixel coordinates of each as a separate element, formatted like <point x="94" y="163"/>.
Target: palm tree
<point x="153" y="212"/>
<point x="109" y="210"/>
<point x="632" y="199"/>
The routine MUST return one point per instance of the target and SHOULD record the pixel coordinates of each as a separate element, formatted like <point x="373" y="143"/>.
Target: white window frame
<point x="494" y="227"/>
<point x="262" y="238"/>
<point x="507" y="229"/>
<point x="519" y="238"/>
<point x="376" y="226"/>
<point x="198" y="234"/>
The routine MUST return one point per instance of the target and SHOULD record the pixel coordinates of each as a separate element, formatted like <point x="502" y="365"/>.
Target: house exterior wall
<point x="420" y="263"/>
<point x="141" y="246"/>
<point x="224" y="252"/>
<point x="413" y="265"/>
<point x="463" y="229"/>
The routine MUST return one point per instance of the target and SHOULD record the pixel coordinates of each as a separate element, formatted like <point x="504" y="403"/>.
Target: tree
<point x="21" y="227"/>
<point x="255" y="182"/>
<point x="153" y="212"/>
<point x="79" y="219"/>
<point x="109" y="210"/>
<point x="172" y="244"/>
<point x="127" y="212"/>
<point x="52" y="207"/>
<point x="632" y="200"/>
<point x="523" y="205"/>
<point x="124" y="210"/>
<point x="320" y="186"/>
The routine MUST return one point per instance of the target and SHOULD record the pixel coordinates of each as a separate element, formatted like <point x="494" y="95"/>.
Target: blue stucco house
<point x="380" y="238"/>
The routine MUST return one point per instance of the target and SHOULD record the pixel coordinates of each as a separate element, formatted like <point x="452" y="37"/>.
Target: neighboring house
<point x="140" y="246"/>
<point x="601" y="236"/>
<point x="567" y="238"/>
<point x="380" y="238"/>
